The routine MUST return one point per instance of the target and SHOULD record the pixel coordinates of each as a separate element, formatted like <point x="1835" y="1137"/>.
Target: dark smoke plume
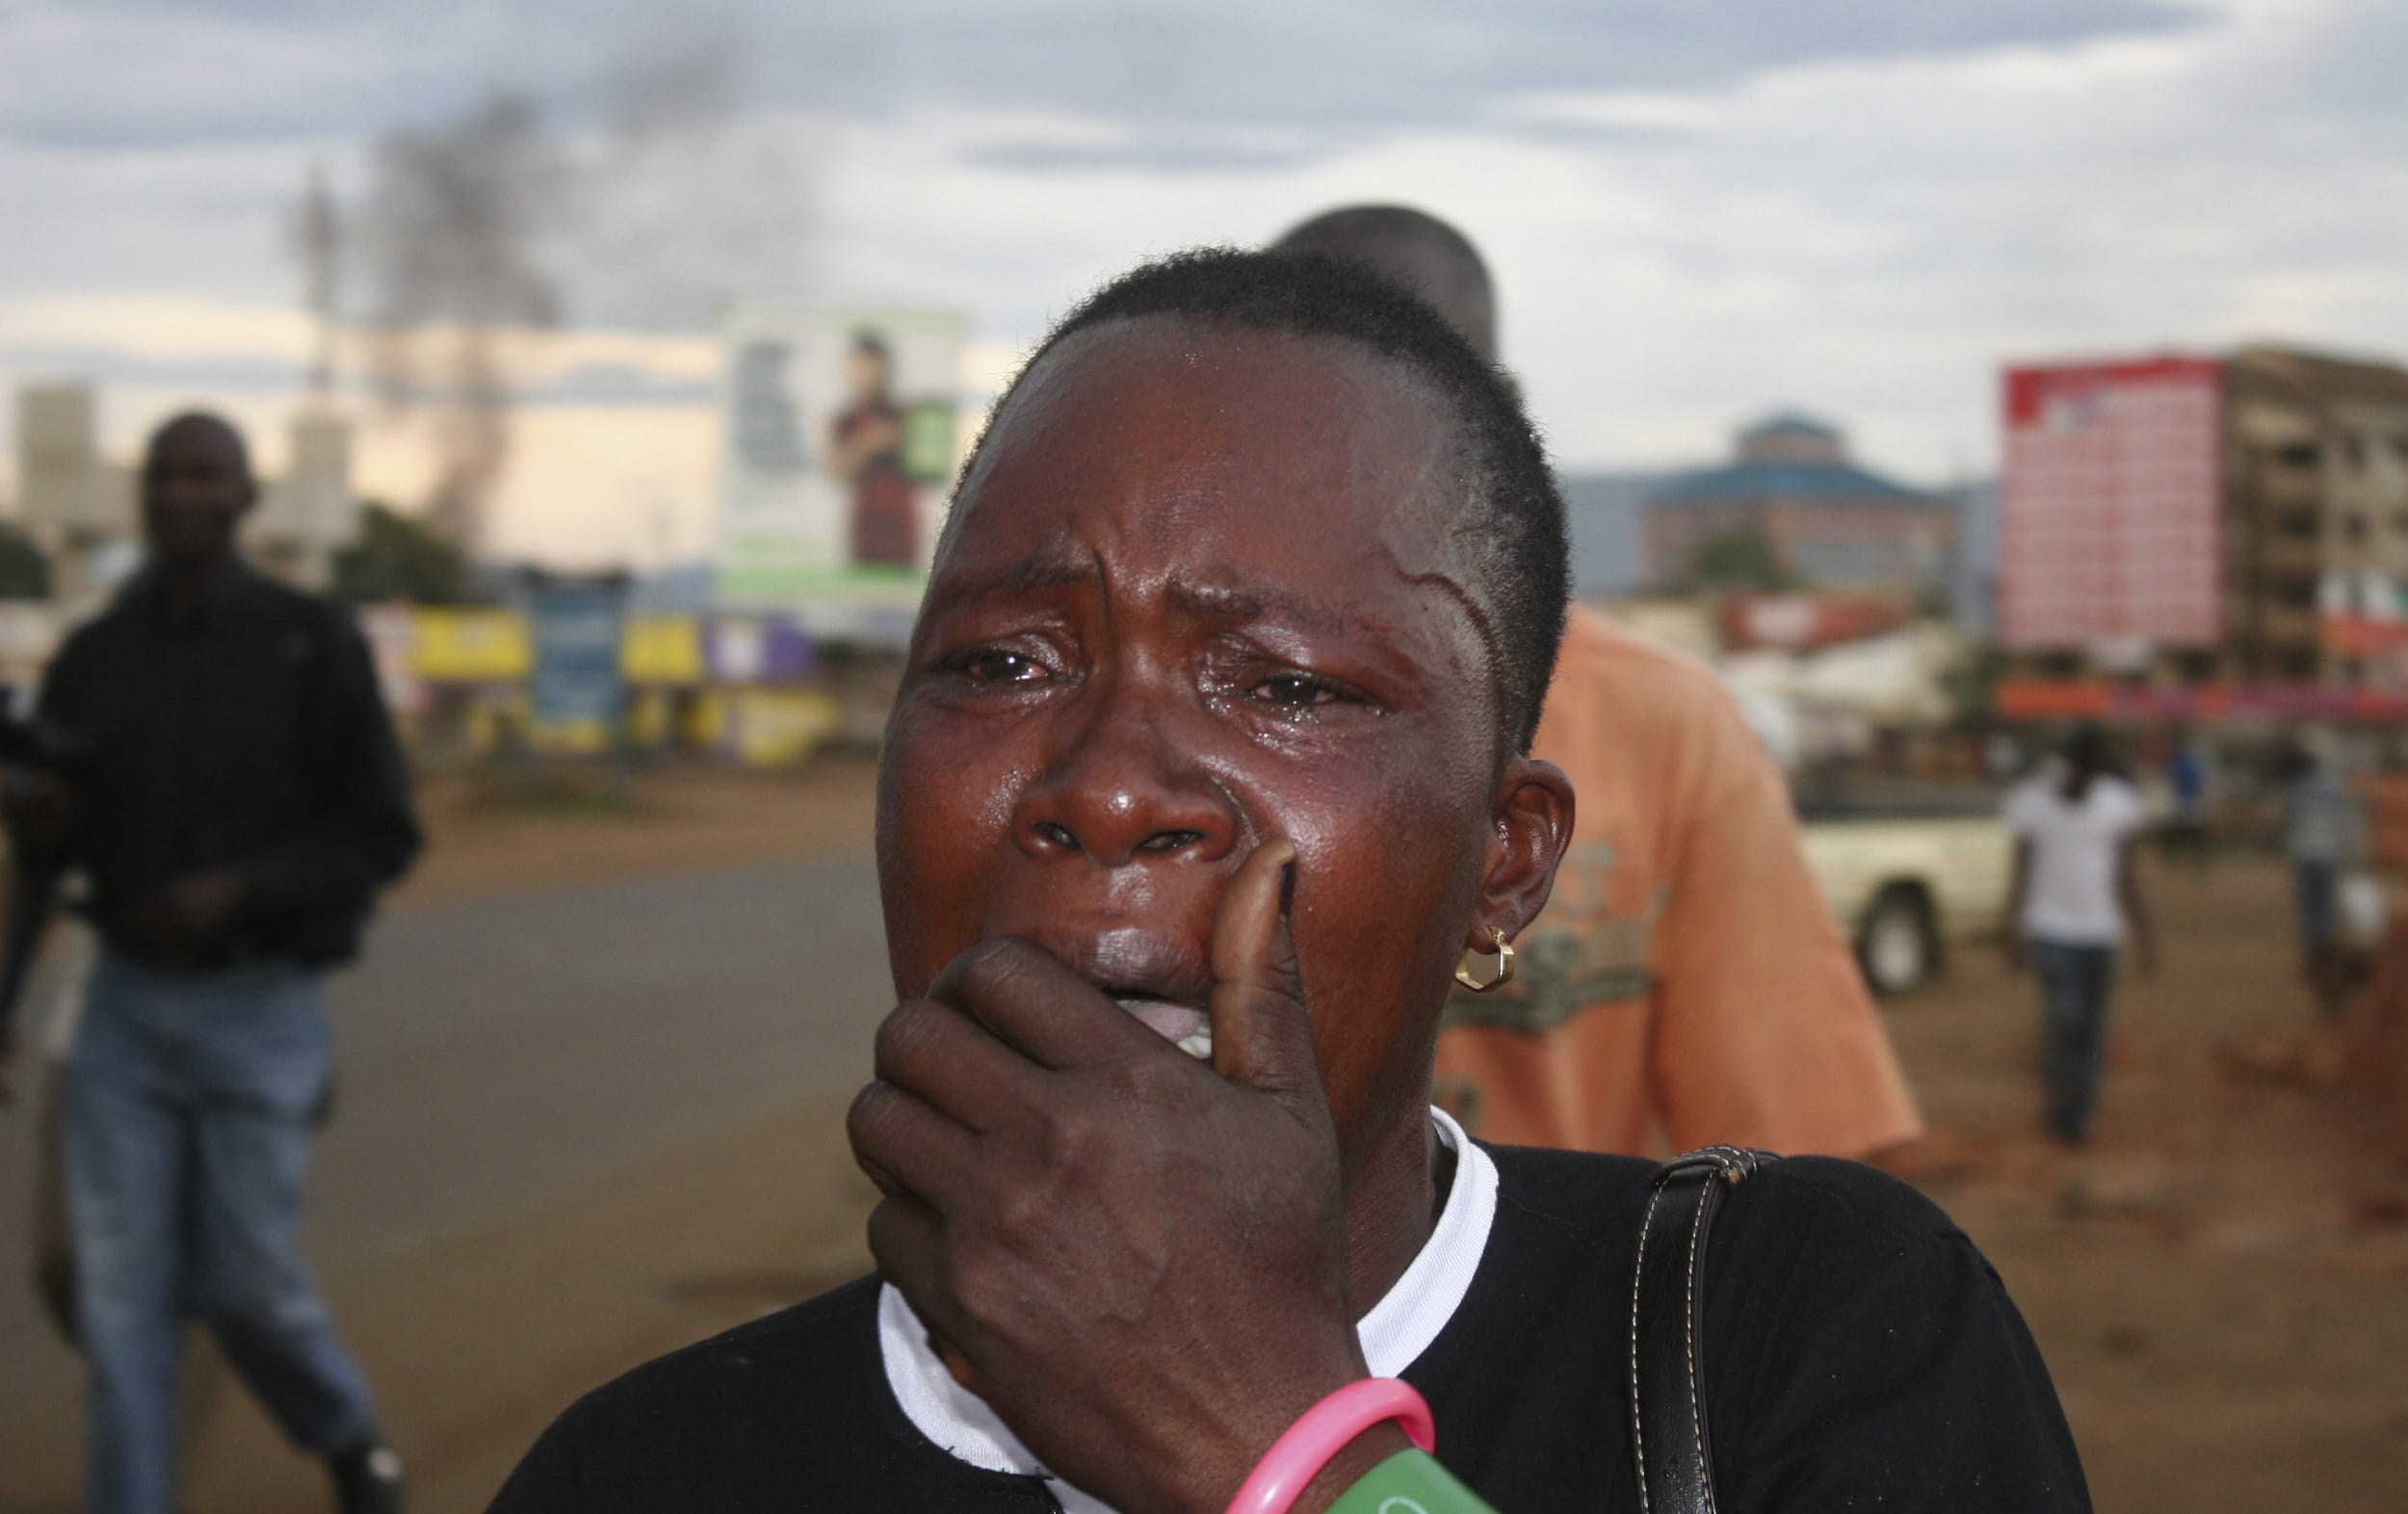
<point x="657" y="202"/>
<point x="694" y="199"/>
<point x="456" y="220"/>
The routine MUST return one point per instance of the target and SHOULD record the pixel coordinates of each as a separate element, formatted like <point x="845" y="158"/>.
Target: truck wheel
<point x="1898" y="944"/>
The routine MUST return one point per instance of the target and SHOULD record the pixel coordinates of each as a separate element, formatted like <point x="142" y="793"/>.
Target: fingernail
<point x="1287" y="887"/>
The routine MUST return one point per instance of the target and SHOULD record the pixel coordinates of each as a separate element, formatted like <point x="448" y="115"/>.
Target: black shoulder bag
<point x="1669" y="1439"/>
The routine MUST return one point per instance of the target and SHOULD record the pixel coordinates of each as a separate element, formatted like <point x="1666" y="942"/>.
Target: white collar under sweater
<point x="1398" y="1329"/>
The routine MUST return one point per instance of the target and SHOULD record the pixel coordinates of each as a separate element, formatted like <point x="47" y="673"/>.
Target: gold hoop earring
<point x="1504" y="964"/>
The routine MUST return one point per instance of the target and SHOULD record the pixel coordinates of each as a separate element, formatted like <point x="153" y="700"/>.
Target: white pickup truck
<point x="1909" y="881"/>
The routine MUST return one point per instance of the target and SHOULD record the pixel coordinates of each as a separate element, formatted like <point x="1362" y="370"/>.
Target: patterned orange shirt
<point x="1687" y="980"/>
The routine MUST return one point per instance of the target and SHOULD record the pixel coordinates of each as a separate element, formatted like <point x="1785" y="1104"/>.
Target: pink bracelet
<point x="1297" y="1456"/>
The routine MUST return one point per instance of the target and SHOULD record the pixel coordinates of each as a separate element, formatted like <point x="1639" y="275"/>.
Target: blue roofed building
<point x="1825" y="522"/>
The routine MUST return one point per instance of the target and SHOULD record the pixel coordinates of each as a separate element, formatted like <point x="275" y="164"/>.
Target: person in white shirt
<point x="2076" y="900"/>
<point x="2323" y="837"/>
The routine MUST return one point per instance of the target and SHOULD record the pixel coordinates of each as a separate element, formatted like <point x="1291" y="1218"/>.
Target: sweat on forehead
<point x="1192" y="401"/>
<point x="1189" y="447"/>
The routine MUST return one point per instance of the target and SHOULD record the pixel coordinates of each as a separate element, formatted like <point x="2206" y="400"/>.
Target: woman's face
<point x="1205" y="588"/>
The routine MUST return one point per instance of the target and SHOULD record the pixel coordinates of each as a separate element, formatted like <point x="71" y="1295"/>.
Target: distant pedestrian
<point x="2075" y="902"/>
<point x="2186" y="833"/>
<point x="2323" y="836"/>
<point x="237" y="800"/>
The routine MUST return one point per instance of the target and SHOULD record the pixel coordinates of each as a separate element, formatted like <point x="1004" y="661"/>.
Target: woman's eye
<point x="1295" y="691"/>
<point x="995" y="665"/>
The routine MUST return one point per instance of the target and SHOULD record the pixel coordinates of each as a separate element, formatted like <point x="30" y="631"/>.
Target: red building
<point x="2110" y="505"/>
<point x="2238" y="522"/>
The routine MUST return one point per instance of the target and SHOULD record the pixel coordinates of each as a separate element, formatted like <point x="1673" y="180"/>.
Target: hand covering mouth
<point x="1183" y="1024"/>
<point x="1156" y="977"/>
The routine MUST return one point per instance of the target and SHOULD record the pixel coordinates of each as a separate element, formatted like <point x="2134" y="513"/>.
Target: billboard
<point x="2110" y="506"/>
<point x="576" y="687"/>
<point x="842" y="433"/>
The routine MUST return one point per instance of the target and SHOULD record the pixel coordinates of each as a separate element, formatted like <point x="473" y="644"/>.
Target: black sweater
<point x="250" y="736"/>
<point x="1859" y="1354"/>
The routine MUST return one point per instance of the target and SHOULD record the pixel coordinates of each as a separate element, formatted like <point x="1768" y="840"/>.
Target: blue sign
<point x="578" y="689"/>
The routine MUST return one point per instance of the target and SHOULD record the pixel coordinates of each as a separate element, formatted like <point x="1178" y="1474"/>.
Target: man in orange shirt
<point x="1688" y="982"/>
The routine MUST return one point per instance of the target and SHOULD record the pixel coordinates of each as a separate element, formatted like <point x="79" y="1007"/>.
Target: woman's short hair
<point x="1512" y="512"/>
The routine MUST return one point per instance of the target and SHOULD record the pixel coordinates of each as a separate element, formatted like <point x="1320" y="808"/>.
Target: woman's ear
<point x="1532" y="827"/>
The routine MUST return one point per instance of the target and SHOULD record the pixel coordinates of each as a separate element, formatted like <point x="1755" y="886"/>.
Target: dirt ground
<point x="2215" y="1282"/>
<point x="2220" y="1281"/>
<point x="484" y="839"/>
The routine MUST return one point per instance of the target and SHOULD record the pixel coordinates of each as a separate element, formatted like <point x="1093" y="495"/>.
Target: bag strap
<point x="1668" y="1440"/>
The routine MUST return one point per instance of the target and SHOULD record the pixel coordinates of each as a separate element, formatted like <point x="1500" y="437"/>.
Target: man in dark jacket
<point x="234" y="797"/>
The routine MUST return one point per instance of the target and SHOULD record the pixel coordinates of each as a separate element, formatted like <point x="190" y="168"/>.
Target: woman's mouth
<point x="1183" y="1024"/>
<point x="1155" y="975"/>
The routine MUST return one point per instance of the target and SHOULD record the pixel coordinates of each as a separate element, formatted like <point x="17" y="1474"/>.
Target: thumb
<point x="1261" y="1034"/>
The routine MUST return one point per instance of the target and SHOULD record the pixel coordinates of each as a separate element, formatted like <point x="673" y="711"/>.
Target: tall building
<point x="2110" y="532"/>
<point x="72" y="506"/>
<point x="1824" y="521"/>
<point x="2317" y="501"/>
<point x="2238" y="520"/>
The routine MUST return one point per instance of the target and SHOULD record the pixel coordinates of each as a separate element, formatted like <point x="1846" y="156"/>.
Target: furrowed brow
<point x="1232" y="602"/>
<point x="1049" y="567"/>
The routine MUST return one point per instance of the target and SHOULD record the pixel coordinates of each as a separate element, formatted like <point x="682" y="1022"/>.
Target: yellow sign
<point x="777" y="727"/>
<point x="662" y="649"/>
<point x="470" y="646"/>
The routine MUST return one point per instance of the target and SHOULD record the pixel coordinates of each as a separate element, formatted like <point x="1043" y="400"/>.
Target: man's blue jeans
<point x="188" y="1103"/>
<point x="2076" y="982"/>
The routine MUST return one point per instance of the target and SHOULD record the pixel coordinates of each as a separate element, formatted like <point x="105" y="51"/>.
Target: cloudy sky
<point x="1695" y="211"/>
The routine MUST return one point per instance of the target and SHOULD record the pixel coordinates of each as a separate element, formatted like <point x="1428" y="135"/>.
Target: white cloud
<point x="1868" y="236"/>
<point x="167" y="72"/>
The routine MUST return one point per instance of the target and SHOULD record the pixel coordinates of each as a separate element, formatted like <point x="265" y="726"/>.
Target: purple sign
<point x="757" y="650"/>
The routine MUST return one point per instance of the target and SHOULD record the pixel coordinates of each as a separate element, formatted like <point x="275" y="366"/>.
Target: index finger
<point x="1031" y="1001"/>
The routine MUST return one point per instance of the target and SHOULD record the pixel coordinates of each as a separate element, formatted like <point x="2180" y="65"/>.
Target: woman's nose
<point x="1123" y="790"/>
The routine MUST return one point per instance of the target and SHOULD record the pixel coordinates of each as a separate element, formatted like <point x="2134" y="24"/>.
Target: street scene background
<point x="593" y="1081"/>
<point x="1946" y="379"/>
